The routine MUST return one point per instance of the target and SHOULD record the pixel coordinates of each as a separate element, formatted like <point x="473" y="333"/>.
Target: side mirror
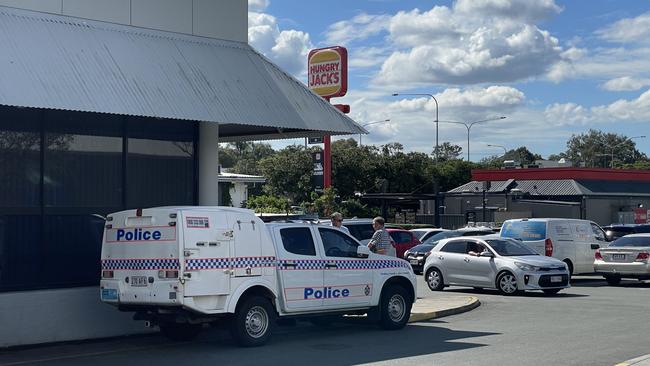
<point x="486" y="254"/>
<point x="363" y="251"/>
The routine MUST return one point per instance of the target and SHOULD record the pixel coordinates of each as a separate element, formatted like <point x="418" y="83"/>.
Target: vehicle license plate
<point x="109" y="294"/>
<point x="556" y="278"/>
<point x="414" y="261"/>
<point x="618" y="257"/>
<point x="139" y="281"/>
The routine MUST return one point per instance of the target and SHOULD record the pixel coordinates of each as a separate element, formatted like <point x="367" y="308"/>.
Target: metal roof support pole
<point x="208" y="164"/>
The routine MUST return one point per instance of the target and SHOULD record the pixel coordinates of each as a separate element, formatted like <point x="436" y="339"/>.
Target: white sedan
<point x="625" y="257"/>
<point x="502" y="263"/>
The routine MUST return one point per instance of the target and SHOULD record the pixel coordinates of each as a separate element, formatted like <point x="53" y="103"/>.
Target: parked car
<point x="403" y="240"/>
<point x="468" y="231"/>
<point x="626" y="257"/>
<point x="425" y="233"/>
<point x="417" y="255"/>
<point x="616" y="231"/>
<point x="361" y="229"/>
<point x="572" y="241"/>
<point x="502" y="263"/>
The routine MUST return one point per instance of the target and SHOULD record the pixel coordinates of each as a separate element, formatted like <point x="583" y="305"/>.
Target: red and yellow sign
<point x="327" y="70"/>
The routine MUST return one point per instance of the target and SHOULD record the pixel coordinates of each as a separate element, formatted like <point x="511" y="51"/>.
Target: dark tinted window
<point x="401" y="237"/>
<point x="337" y="244"/>
<point x="421" y="248"/>
<point x="298" y="241"/>
<point x="21" y="252"/>
<point x="633" y="241"/>
<point x="442" y="235"/>
<point x="642" y="229"/>
<point x="456" y="246"/>
<point x="506" y="247"/>
<point x="360" y="231"/>
<point x="477" y="233"/>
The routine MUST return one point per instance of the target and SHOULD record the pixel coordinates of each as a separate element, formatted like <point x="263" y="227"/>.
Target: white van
<point x="572" y="241"/>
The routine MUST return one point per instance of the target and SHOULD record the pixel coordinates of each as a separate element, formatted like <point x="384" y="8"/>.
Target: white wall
<point x="238" y="193"/>
<point x="208" y="18"/>
<point x="32" y="317"/>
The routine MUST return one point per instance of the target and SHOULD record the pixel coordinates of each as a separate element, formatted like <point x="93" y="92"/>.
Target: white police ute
<point x="181" y="267"/>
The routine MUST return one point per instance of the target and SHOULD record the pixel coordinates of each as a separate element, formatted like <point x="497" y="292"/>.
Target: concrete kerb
<point x="428" y="309"/>
<point x="639" y="361"/>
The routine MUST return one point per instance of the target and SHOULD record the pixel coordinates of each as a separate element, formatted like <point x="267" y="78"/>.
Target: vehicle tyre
<point x="507" y="284"/>
<point x="551" y="291"/>
<point x="569" y="266"/>
<point x="253" y="322"/>
<point x="434" y="279"/>
<point x="394" y="307"/>
<point x="613" y="280"/>
<point x="180" y="331"/>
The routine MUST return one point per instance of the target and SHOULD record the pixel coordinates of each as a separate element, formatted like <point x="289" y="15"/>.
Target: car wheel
<point x="395" y="308"/>
<point x="180" y="331"/>
<point x="253" y="322"/>
<point x="507" y="283"/>
<point x="569" y="267"/>
<point x="613" y="280"/>
<point x="551" y="291"/>
<point x="434" y="280"/>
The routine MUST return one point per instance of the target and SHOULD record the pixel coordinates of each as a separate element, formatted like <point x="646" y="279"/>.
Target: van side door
<point x="301" y="268"/>
<point x="583" y="239"/>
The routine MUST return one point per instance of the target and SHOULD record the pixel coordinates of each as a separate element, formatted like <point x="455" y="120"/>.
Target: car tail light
<point x="107" y="274"/>
<point x="167" y="274"/>
<point x="642" y="257"/>
<point x="548" y="248"/>
<point x="598" y="255"/>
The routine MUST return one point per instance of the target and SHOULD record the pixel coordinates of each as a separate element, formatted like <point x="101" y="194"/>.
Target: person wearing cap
<point x="337" y="222"/>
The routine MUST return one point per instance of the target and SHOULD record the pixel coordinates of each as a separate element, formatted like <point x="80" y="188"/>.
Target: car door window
<point x="598" y="232"/>
<point x="474" y="248"/>
<point x="337" y="244"/>
<point x="400" y="237"/>
<point x="455" y="247"/>
<point x="298" y="241"/>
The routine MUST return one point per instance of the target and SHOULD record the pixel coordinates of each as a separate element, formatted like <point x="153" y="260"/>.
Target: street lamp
<point x="435" y="100"/>
<point x="619" y="144"/>
<point x="372" y="123"/>
<point x="469" y="125"/>
<point x="503" y="147"/>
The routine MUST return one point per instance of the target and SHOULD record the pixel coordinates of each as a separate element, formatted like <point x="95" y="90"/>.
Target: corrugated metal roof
<point x="559" y="187"/>
<point x="58" y="62"/>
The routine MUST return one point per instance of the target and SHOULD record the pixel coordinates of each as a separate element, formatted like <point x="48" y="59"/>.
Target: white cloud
<point x="287" y="48"/>
<point x="625" y="83"/>
<point x="258" y="5"/>
<point x="525" y="10"/>
<point x="360" y="27"/>
<point x="635" y="110"/>
<point x="627" y="30"/>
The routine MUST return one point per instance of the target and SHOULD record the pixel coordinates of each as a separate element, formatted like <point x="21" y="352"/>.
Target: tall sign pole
<point x="327" y="70"/>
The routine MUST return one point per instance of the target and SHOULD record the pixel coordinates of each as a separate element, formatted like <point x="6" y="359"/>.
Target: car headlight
<point x="526" y="266"/>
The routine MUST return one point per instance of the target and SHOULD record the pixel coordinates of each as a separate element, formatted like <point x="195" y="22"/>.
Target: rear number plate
<point x="618" y="257"/>
<point x="414" y="261"/>
<point x="556" y="278"/>
<point x="139" y="281"/>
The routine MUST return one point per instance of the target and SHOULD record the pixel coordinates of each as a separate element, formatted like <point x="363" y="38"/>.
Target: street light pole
<point x="435" y="100"/>
<point x="469" y="125"/>
<point x="619" y="144"/>
<point x="372" y="123"/>
<point x="503" y="147"/>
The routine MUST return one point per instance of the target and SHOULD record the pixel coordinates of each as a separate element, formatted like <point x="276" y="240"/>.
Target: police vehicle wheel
<point x="180" y="331"/>
<point x="253" y="322"/>
<point x="434" y="280"/>
<point x="395" y="308"/>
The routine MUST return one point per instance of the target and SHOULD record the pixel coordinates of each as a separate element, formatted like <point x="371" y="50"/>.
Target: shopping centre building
<point x="107" y="105"/>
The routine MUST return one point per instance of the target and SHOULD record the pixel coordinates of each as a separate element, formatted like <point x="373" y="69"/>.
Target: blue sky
<point x="553" y="68"/>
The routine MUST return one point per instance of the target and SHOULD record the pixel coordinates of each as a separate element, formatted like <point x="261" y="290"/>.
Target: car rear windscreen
<point x="524" y="230"/>
<point x="631" y="241"/>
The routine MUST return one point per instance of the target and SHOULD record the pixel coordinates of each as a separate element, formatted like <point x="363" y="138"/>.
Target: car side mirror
<point x="486" y="254"/>
<point x="363" y="251"/>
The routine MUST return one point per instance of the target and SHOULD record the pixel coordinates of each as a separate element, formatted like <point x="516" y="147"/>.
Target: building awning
<point x="59" y="62"/>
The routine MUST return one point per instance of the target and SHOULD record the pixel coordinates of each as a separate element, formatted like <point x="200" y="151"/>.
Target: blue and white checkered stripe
<point x="225" y="263"/>
<point x="302" y="264"/>
<point x="345" y="264"/>
<point x="140" y="264"/>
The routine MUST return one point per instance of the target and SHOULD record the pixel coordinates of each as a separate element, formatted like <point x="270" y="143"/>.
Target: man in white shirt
<point x="381" y="243"/>
<point x="337" y="221"/>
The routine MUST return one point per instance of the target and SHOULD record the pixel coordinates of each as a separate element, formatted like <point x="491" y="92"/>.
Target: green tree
<point x="353" y="167"/>
<point x="268" y="204"/>
<point x="447" y="151"/>
<point x="288" y="173"/>
<point x="594" y="148"/>
<point x="453" y="173"/>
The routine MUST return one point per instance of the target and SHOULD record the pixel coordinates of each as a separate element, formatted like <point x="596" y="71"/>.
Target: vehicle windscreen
<point x="524" y="230"/>
<point x="631" y="241"/>
<point x="509" y="247"/>
<point x="443" y="235"/>
<point x="422" y="248"/>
